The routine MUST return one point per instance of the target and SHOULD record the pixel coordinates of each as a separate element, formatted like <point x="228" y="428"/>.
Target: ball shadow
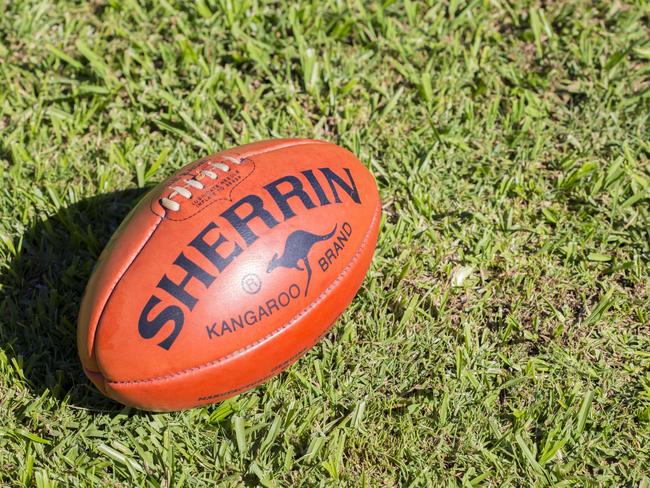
<point x="42" y="289"/>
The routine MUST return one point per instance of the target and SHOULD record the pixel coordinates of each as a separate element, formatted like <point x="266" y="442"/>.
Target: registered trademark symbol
<point x="251" y="283"/>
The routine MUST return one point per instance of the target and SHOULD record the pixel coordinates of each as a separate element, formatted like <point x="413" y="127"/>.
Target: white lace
<point x="194" y="182"/>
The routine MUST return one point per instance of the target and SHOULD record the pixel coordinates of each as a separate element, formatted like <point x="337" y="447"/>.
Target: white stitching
<point x="170" y="204"/>
<point x="182" y="191"/>
<point x="288" y="324"/>
<point x="223" y="167"/>
<point x="173" y="206"/>
<point x="231" y="159"/>
<point x="194" y="183"/>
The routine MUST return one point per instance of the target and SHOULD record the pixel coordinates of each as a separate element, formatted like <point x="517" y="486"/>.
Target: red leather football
<point x="226" y="273"/>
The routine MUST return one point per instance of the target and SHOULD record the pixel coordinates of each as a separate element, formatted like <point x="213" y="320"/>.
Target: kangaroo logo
<point x="297" y="248"/>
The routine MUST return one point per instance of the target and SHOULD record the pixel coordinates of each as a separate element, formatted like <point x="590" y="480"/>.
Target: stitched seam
<point x="168" y="216"/>
<point x="271" y="334"/>
<point x="220" y="199"/>
<point x="117" y="282"/>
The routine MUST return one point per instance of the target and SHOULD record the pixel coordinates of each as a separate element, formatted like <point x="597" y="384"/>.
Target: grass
<point x="502" y="336"/>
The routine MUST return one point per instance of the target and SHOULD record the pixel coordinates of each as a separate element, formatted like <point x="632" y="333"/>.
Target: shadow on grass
<point x="42" y="289"/>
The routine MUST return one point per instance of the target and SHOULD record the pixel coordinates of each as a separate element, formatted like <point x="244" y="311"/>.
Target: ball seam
<point x="166" y="214"/>
<point x="119" y="278"/>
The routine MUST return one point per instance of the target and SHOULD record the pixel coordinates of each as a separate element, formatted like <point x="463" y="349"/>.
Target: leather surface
<point x="190" y="307"/>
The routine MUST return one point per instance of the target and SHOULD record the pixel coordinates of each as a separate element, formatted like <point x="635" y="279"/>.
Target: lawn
<point x="502" y="336"/>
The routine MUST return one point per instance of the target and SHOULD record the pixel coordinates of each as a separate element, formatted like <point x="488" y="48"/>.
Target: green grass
<point x="502" y="336"/>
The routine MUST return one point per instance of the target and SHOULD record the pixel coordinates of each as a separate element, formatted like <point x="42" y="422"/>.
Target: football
<point x="227" y="272"/>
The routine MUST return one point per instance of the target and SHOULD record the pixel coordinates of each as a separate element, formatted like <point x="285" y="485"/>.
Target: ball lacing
<point x="183" y="191"/>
